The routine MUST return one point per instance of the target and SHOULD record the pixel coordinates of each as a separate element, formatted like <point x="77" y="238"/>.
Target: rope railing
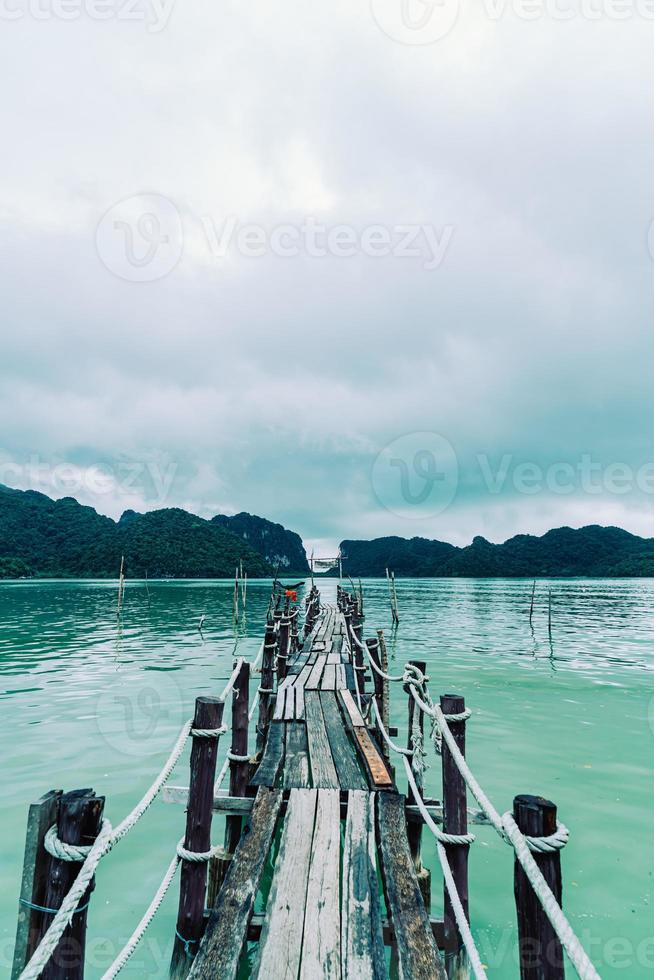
<point x="90" y="856"/>
<point x="504" y="825"/>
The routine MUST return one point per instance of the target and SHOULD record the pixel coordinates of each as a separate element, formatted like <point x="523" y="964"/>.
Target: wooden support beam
<point x="418" y="956"/>
<point x="226" y="931"/>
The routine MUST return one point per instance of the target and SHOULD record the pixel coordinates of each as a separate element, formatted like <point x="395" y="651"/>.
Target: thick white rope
<point x="460" y="916"/>
<point x="508" y="830"/>
<point x="387" y="677"/>
<point x="232" y="680"/>
<point x="149" y="915"/>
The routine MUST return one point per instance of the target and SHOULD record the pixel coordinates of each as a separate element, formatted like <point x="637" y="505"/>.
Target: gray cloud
<point x="270" y="384"/>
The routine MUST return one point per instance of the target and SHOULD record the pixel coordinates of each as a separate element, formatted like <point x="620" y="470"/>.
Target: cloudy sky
<point x="361" y="268"/>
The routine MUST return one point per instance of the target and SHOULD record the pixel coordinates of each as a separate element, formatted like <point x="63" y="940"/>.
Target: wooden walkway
<point x="322" y="877"/>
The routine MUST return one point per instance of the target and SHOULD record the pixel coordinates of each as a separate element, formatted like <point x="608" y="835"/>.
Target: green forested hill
<point x="589" y="551"/>
<point x="280" y="547"/>
<point x="40" y="536"/>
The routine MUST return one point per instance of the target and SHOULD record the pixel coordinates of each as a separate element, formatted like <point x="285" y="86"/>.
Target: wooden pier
<point x="322" y="785"/>
<point x="320" y="872"/>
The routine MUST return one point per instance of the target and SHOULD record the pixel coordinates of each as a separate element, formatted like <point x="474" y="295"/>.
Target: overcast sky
<point x="439" y="321"/>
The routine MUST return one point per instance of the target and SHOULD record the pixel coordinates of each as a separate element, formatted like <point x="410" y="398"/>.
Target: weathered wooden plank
<point x="299" y="691"/>
<point x="323" y="771"/>
<point x="341" y="682"/>
<point x="348" y="702"/>
<point x="344" y="753"/>
<point x="362" y="944"/>
<point x="328" y="682"/>
<point x="334" y="658"/>
<point x="337" y="646"/>
<point x="321" y="953"/>
<point x="226" y="931"/>
<point x="418" y="956"/>
<point x="313" y="681"/>
<point x="372" y="759"/>
<point x="280" y="946"/>
<point x="280" y="703"/>
<point x="350" y="678"/>
<point x="296" y="764"/>
<point x="289" y="709"/>
<point x="273" y="757"/>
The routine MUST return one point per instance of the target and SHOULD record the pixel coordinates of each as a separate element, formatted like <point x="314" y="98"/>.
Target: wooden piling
<point x="283" y="646"/>
<point x="42" y="815"/>
<point x="541" y="956"/>
<point x="79" y="819"/>
<point x="386" y="694"/>
<point x="239" y="768"/>
<point x="414" y="830"/>
<point x="455" y="821"/>
<point x="266" y="696"/>
<point x="378" y="684"/>
<point x="193" y="883"/>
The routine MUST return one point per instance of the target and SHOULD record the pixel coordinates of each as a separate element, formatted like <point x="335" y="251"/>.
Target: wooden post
<point x="266" y="702"/>
<point x="455" y="821"/>
<point x="79" y="820"/>
<point x="42" y="815"/>
<point x="294" y="629"/>
<point x="283" y="647"/>
<point x="193" y="883"/>
<point x="386" y="698"/>
<point x="414" y="829"/>
<point x="541" y="956"/>
<point x="378" y="685"/>
<point x="239" y="769"/>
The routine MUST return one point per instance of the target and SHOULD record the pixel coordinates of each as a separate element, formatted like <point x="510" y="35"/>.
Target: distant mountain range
<point x="592" y="551"/>
<point x="51" y="538"/>
<point x="44" y="537"/>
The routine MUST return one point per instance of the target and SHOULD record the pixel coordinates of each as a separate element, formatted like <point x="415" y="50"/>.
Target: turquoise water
<point x="88" y="703"/>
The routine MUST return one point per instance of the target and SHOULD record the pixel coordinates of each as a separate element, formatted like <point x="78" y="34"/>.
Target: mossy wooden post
<point x="79" y="819"/>
<point x="41" y="816"/>
<point x="414" y="827"/>
<point x="541" y="956"/>
<point x="239" y="766"/>
<point x="266" y="703"/>
<point x="455" y="821"/>
<point x="193" y="880"/>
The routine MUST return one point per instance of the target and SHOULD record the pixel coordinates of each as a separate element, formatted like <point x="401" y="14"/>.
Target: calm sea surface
<point x="86" y="702"/>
